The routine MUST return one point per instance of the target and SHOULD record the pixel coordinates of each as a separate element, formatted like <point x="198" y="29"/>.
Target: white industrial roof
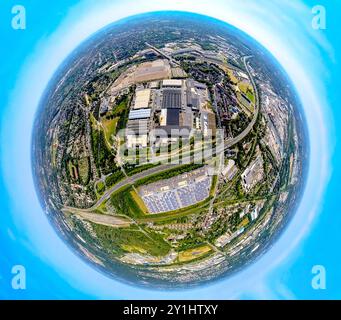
<point x="172" y="83"/>
<point x="139" y="114"/>
<point x="142" y="99"/>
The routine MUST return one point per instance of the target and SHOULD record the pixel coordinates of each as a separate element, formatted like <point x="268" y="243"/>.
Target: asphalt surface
<point x="131" y="180"/>
<point x="227" y="144"/>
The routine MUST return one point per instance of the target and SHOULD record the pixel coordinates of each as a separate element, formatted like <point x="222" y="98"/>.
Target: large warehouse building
<point x="173" y="107"/>
<point x="142" y="99"/>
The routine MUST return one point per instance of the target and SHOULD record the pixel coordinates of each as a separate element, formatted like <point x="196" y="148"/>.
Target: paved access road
<point x="228" y="144"/>
<point x="131" y="180"/>
<point x="231" y="142"/>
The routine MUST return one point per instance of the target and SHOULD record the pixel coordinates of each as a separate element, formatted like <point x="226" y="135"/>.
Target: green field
<point x="125" y="204"/>
<point x="194" y="253"/>
<point x="84" y="170"/>
<point x="122" y="111"/>
<point x="103" y="156"/>
<point x="73" y="171"/>
<point x="123" y="240"/>
<point x="100" y="187"/>
<point x="109" y="126"/>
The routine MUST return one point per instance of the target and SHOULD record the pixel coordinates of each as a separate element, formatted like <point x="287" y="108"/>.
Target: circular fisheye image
<point x="169" y="150"/>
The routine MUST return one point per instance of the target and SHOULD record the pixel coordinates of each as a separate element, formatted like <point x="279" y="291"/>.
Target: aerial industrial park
<point x="174" y="107"/>
<point x="168" y="151"/>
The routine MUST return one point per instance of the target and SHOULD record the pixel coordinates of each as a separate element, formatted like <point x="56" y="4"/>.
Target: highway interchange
<point x="228" y="143"/>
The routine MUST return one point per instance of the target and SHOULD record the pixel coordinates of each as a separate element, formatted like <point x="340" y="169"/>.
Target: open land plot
<point x="194" y="253"/>
<point x="131" y="240"/>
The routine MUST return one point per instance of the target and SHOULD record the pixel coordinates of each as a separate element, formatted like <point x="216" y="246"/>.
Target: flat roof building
<point x="154" y="85"/>
<point x="138" y="127"/>
<point x="173" y="117"/>
<point x="208" y="123"/>
<point x="171" y="98"/>
<point x="142" y="99"/>
<point x="170" y="117"/>
<point x="172" y="83"/>
<point x="140" y="114"/>
<point x="253" y="174"/>
<point x="230" y="170"/>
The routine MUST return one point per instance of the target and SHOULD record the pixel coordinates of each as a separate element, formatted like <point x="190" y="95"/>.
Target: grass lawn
<point x="124" y="202"/>
<point x="244" y="223"/>
<point x="193" y="253"/>
<point x="245" y="86"/>
<point x="100" y="188"/>
<point x="213" y="186"/>
<point x="120" y="108"/>
<point x="139" y="201"/>
<point x="84" y="170"/>
<point x="73" y="170"/>
<point x="94" y="122"/>
<point x="102" y="209"/>
<point x="109" y="126"/>
<point x="251" y="96"/>
<point x="123" y="240"/>
<point x="232" y="76"/>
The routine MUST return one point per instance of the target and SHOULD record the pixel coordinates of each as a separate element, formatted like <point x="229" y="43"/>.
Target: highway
<point x="131" y="180"/>
<point x="231" y="142"/>
<point x="227" y="145"/>
<point x="170" y="58"/>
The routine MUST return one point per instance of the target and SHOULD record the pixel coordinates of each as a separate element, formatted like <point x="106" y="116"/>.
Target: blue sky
<point x="30" y="57"/>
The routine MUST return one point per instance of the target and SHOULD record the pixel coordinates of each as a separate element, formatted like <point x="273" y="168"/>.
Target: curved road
<point x="227" y="144"/>
<point x="123" y="183"/>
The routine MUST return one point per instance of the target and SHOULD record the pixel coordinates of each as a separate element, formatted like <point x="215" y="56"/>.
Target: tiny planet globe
<point x="170" y="150"/>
